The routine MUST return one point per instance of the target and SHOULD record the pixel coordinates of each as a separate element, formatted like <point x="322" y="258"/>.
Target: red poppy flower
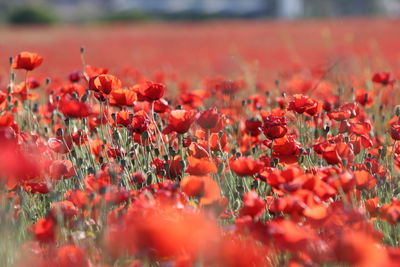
<point x="364" y="180"/>
<point x="253" y="127"/>
<point x="140" y="123"/>
<point x="316" y="212"/>
<point x="71" y="255"/>
<point x="124" y="118"/>
<point x="335" y="151"/>
<point x="193" y="99"/>
<point x="74" y="76"/>
<point x="339" y="114"/>
<point x="275" y="127"/>
<point x="203" y="187"/>
<point x="21" y="91"/>
<point x="253" y="205"/>
<point x="383" y="78"/>
<point x="44" y="230"/>
<point x="33" y="83"/>
<point x="93" y="71"/>
<point x="390" y="212"/>
<point x="303" y="104"/>
<point x="152" y="91"/>
<point x="41" y="188"/>
<point x="395" y="132"/>
<point x="180" y="121"/>
<point x="73" y="108"/>
<point x="79" y="137"/>
<point x="65" y="208"/>
<point x="359" y="249"/>
<point x="161" y="106"/>
<point x="371" y="205"/>
<point x="122" y="97"/>
<point x="208" y="119"/>
<point x="13" y="157"/>
<point x="360" y="128"/>
<point x="286" y="149"/>
<point x="104" y="83"/>
<point x="244" y="166"/>
<point x="201" y="166"/>
<point x="364" y="97"/>
<point x="61" y="169"/>
<point x="197" y="151"/>
<point x="27" y="61"/>
<point x="3" y="97"/>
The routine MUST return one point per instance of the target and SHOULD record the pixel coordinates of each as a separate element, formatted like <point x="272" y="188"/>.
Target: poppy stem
<point x="29" y="102"/>
<point x="83" y="62"/>
<point x="158" y="130"/>
<point x="209" y="144"/>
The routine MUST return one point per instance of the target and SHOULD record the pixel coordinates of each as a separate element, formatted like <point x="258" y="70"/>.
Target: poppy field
<point x="212" y="144"/>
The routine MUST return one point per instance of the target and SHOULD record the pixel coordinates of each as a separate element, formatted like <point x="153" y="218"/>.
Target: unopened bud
<point x="397" y="110"/>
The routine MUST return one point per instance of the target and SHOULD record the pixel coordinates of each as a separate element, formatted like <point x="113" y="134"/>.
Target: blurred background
<point x="78" y="11"/>
<point x="227" y="37"/>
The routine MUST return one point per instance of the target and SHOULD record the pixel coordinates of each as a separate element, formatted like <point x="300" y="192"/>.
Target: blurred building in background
<point x="86" y="10"/>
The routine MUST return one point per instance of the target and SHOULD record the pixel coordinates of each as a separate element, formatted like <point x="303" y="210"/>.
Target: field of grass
<point x="223" y="143"/>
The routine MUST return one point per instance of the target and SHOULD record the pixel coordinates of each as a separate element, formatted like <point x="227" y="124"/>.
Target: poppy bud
<point x="383" y="152"/>
<point x="368" y="165"/>
<point x="145" y="135"/>
<point x="397" y="110"/>
<point x="114" y="116"/>
<point x="74" y="76"/>
<point x="60" y="132"/>
<point x="186" y="142"/>
<point x="90" y="170"/>
<point x="84" y="98"/>
<point x="123" y="163"/>
<point x="344" y="162"/>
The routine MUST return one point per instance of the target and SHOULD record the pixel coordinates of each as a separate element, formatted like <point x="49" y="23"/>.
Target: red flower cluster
<point x="103" y="170"/>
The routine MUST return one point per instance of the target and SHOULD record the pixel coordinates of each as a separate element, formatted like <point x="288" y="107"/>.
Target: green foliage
<point x="31" y="15"/>
<point x="127" y="16"/>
